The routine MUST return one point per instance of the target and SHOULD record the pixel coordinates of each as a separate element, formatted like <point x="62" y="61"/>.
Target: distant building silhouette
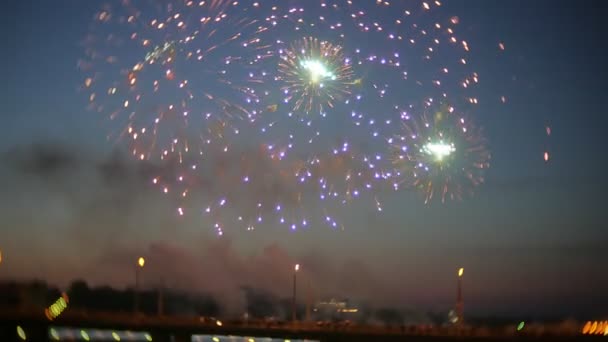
<point x="335" y="310"/>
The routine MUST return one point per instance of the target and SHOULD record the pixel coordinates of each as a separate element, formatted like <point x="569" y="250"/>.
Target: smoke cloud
<point x="91" y="218"/>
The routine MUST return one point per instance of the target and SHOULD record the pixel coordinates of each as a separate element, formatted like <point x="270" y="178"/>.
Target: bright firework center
<point x="317" y="71"/>
<point x="439" y="150"/>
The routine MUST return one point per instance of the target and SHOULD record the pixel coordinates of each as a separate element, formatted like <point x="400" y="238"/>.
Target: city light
<point x="21" y="333"/>
<point x="460" y="272"/>
<point x="595" y="328"/>
<point x="296" y="267"/>
<point x="73" y="334"/>
<point x="53" y="333"/>
<point x="586" y="328"/>
<point x="141" y="261"/>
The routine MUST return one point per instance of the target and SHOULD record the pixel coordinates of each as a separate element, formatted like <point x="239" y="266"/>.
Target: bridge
<point x="36" y="326"/>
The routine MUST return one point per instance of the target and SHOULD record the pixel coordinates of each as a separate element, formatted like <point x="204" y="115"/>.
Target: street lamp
<point x="296" y="268"/>
<point x="140" y="264"/>
<point x="459" y="300"/>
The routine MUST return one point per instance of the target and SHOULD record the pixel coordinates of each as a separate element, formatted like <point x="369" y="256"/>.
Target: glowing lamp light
<point x="296" y="267"/>
<point x="586" y="328"/>
<point x="54" y="334"/>
<point x="460" y="272"/>
<point x="600" y="328"/>
<point x="439" y="149"/>
<point x="84" y="335"/>
<point x="21" y="333"/>
<point x="57" y="308"/>
<point x="141" y="261"/>
<point x="316" y="70"/>
<point x="593" y="327"/>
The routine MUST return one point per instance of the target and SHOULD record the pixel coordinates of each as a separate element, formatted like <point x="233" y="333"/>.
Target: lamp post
<point x="296" y="268"/>
<point x="159" y="304"/>
<point x="459" y="300"/>
<point x="308" y="302"/>
<point x="140" y="264"/>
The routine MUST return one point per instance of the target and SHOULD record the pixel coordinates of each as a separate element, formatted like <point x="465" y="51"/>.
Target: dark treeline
<point x="37" y="294"/>
<point x="258" y="304"/>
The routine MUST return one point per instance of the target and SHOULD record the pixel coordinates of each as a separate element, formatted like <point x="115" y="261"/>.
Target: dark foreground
<point x="36" y="327"/>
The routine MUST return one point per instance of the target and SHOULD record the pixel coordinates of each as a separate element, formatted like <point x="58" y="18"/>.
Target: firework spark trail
<point x="163" y="73"/>
<point x="250" y="187"/>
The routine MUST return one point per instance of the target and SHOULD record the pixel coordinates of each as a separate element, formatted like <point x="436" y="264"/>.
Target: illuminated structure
<point x="459" y="300"/>
<point x="335" y="310"/>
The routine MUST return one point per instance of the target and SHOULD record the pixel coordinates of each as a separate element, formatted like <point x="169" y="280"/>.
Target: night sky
<point x="532" y="238"/>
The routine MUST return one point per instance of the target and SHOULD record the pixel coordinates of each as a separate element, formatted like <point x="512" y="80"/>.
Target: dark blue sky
<point x="534" y="234"/>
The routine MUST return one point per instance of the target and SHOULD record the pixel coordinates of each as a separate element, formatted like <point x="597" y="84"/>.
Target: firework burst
<point x="316" y="75"/>
<point x="441" y="154"/>
<point x="313" y="85"/>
